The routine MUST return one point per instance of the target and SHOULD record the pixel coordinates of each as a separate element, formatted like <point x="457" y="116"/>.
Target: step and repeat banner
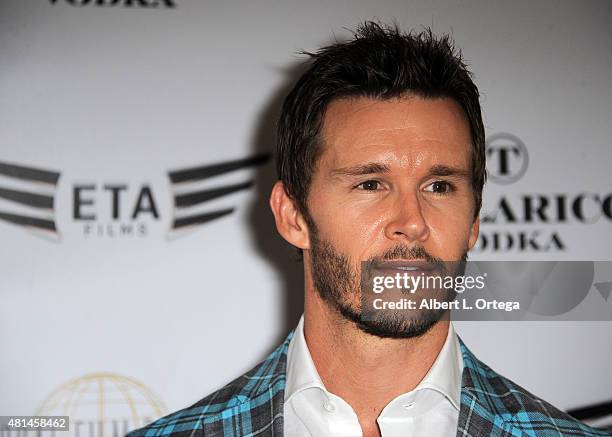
<point x="140" y="265"/>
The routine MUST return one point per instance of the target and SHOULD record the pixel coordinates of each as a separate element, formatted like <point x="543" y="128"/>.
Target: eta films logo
<point x="97" y="208"/>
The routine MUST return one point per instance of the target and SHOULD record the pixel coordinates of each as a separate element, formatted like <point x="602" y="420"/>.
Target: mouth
<point x="408" y="266"/>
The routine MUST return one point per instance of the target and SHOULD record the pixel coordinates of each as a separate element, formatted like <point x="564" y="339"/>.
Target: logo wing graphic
<point x="28" y="196"/>
<point x="186" y="197"/>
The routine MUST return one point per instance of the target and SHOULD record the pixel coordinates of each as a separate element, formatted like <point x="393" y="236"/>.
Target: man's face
<point x="393" y="183"/>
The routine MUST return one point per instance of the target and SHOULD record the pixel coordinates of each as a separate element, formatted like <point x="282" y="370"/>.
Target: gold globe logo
<point x="103" y="405"/>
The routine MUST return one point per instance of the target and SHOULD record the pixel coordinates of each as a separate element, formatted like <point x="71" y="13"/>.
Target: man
<point x="381" y="163"/>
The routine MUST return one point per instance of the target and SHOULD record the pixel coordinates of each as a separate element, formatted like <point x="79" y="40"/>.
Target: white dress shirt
<point x="432" y="408"/>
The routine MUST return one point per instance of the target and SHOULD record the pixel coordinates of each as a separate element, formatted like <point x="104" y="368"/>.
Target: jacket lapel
<point x="257" y="401"/>
<point x="482" y="411"/>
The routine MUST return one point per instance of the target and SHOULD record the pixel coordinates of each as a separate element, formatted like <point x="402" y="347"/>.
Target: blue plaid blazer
<point x="252" y="405"/>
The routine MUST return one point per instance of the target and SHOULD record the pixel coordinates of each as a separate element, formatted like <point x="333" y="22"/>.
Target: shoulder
<point x="244" y="403"/>
<point x="498" y="404"/>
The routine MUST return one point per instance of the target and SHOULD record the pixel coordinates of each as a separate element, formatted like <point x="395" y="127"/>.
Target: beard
<point x="340" y="285"/>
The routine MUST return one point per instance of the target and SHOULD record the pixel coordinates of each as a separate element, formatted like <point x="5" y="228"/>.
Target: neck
<point x="364" y="370"/>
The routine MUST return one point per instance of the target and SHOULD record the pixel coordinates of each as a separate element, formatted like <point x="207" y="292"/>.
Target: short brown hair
<point x="380" y="62"/>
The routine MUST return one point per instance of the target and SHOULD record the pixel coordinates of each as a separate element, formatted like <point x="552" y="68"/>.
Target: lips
<point x="409" y="266"/>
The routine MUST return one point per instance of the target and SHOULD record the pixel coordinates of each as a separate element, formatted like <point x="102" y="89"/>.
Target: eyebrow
<point x="377" y="168"/>
<point x="445" y="170"/>
<point x="360" y="170"/>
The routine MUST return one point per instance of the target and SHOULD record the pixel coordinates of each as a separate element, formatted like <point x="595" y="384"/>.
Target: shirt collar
<point x="444" y="375"/>
<point x="301" y="371"/>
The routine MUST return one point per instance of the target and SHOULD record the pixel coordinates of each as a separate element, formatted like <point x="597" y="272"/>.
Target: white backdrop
<point x="105" y="93"/>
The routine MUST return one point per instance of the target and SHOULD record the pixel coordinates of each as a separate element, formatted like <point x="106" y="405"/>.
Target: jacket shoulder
<point x="236" y="403"/>
<point x="501" y="404"/>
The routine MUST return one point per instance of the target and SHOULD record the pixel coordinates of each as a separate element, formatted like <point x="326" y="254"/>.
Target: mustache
<point x="405" y="252"/>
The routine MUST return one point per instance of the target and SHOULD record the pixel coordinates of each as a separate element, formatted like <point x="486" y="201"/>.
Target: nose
<point x="407" y="222"/>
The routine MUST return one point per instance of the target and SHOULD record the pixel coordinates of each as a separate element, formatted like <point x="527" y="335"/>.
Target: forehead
<point x="407" y="128"/>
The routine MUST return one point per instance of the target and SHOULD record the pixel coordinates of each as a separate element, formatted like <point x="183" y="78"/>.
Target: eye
<point x="370" y="185"/>
<point x="440" y="187"/>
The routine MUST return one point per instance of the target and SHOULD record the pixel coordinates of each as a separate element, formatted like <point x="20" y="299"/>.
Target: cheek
<point x="365" y="232"/>
<point x="449" y="233"/>
<point x="351" y="228"/>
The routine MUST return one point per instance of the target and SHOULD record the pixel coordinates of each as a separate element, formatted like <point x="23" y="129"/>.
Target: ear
<point x="289" y="221"/>
<point x="474" y="233"/>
